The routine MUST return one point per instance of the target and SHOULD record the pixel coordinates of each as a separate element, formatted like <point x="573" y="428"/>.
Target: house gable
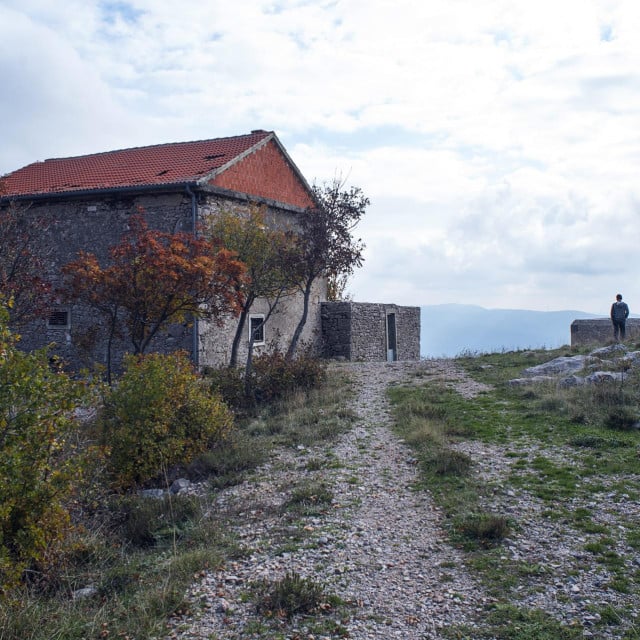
<point x="266" y="171"/>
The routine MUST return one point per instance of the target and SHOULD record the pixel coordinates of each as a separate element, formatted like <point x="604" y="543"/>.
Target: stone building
<point x="88" y="200"/>
<point x="369" y="331"/>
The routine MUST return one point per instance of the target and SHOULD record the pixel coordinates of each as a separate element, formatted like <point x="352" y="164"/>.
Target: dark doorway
<point x="392" y="350"/>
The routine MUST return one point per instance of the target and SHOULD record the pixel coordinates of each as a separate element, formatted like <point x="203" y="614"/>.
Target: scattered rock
<point x="84" y="593"/>
<point x="179" y="485"/>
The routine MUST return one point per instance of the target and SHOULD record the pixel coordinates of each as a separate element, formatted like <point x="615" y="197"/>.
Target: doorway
<point x="392" y="348"/>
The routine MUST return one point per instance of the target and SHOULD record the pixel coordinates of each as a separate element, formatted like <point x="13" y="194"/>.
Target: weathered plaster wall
<point x="215" y="341"/>
<point x="600" y="331"/>
<point x="358" y="331"/>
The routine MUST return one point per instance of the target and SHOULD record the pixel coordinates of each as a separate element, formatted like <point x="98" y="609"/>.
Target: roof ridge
<point x="156" y="146"/>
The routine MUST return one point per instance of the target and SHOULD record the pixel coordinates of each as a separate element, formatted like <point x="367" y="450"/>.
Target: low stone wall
<point x="600" y="331"/>
<point x="359" y="331"/>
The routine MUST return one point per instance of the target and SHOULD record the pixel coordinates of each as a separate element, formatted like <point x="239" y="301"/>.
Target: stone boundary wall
<point x="600" y="331"/>
<point x="357" y="331"/>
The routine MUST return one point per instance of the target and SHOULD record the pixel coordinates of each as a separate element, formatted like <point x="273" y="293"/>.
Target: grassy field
<point x="562" y="464"/>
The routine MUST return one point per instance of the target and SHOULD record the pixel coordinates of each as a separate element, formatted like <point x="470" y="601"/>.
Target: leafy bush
<point x="158" y="416"/>
<point x="273" y="378"/>
<point x="37" y="429"/>
<point x="229" y="383"/>
<point x="276" y="377"/>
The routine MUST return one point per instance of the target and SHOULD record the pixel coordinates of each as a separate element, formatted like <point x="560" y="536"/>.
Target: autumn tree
<point x="154" y="278"/>
<point x="325" y="245"/>
<point x="22" y="256"/>
<point x="266" y="253"/>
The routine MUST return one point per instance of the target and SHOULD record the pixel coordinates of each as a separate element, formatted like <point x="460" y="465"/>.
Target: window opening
<point x="58" y="319"/>
<point x="256" y="329"/>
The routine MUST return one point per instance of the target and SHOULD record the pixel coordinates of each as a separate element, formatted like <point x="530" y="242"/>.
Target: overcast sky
<point x="498" y="140"/>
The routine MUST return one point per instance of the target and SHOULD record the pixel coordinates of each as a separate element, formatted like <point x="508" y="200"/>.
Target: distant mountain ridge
<point x="451" y="329"/>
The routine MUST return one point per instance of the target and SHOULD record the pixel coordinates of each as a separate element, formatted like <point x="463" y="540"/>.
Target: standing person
<point x="619" y="315"/>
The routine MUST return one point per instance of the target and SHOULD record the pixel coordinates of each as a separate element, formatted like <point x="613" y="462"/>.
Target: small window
<point x="58" y="319"/>
<point x="256" y="329"/>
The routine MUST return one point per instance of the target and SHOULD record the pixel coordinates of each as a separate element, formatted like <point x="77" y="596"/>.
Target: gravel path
<point x="379" y="546"/>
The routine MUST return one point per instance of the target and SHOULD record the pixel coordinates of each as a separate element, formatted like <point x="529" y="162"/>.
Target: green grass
<point x="566" y="449"/>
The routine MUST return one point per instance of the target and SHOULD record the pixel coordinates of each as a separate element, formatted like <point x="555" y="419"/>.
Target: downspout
<point x="194" y="225"/>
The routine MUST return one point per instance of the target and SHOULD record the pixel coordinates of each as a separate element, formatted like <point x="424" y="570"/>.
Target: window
<point x="58" y="319"/>
<point x="256" y="328"/>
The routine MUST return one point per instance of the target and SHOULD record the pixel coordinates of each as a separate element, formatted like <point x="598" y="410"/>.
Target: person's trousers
<point x="618" y="329"/>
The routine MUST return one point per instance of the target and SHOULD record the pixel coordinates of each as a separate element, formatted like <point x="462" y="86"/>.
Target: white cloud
<point x="497" y="140"/>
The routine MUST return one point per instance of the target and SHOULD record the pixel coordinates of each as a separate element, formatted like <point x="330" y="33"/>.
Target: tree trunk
<point x="112" y="331"/>
<point x="235" y="345"/>
<point x="303" y="321"/>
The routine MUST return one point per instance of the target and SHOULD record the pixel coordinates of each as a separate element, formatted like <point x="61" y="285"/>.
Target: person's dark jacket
<point x="619" y="311"/>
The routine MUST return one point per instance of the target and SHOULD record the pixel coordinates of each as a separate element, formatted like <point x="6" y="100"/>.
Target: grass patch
<point x="310" y="498"/>
<point x="480" y="529"/>
<point x="512" y="623"/>
<point x="290" y="596"/>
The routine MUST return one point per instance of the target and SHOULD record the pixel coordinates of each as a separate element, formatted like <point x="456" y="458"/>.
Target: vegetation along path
<point x="346" y="515"/>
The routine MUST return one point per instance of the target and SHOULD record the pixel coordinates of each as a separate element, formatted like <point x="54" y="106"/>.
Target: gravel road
<point x="380" y="546"/>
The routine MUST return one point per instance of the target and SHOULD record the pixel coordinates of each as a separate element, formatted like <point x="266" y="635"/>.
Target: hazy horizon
<point x="453" y="328"/>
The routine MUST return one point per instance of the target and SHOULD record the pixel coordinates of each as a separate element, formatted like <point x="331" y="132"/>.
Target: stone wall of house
<point x="408" y="333"/>
<point x="94" y="224"/>
<point x="358" y="331"/>
<point x="216" y="340"/>
<point x="600" y="331"/>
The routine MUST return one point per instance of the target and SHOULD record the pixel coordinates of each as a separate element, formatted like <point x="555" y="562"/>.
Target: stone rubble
<point x="380" y="545"/>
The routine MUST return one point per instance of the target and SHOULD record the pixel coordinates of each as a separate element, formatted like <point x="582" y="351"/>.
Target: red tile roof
<point x="156" y="165"/>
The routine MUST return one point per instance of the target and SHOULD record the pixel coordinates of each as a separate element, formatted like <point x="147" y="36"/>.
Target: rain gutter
<point x="194" y="225"/>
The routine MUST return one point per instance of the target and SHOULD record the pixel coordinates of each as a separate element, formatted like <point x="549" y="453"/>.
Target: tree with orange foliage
<point x="155" y="278"/>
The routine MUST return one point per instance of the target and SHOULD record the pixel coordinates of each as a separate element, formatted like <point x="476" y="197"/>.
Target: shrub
<point x="37" y="428"/>
<point x="621" y="418"/>
<point x="146" y="521"/>
<point x="229" y="383"/>
<point x="158" y="416"/>
<point x="276" y="377"/>
<point x="273" y="377"/>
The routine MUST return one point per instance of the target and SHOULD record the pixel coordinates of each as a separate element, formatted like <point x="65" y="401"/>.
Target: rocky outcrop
<point x="606" y="364"/>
